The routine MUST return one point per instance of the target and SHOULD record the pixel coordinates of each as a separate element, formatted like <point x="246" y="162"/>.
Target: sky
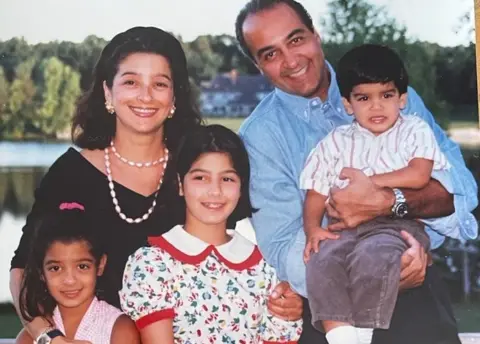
<point x="73" y="20"/>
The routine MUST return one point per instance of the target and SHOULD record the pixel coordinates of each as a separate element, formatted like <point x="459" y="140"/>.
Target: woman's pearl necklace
<point x="114" y="195"/>
<point x="137" y="164"/>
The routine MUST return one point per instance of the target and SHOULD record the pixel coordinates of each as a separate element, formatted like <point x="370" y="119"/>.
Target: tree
<point x="51" y="75"/>
<point x="13" y="52"/>
<point x="4" y="94"/>
<point x="89" y="52"/>
<point x="232" y="57"/>
<point x="419" y="60"/>
<point x="69" y="92"/>
<point x="58" y="89"/>
<point x="4" y="90"/>
<point x="456" y="77"/>
<point x="203" y="62"/>
<point x="465" y="25"/>
<point x="82" y="57"/>
<point x="20" y="105"/>
<point x="357" y="21"/>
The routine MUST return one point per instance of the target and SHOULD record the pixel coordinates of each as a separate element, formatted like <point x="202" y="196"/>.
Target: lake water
<point x="22" y="166"/>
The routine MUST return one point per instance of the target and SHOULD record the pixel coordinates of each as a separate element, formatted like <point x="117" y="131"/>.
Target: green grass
<point x="468" y="317"/>
<point x="10" y="325"/>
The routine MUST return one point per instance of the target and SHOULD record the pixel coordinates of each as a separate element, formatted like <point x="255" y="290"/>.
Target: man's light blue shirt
<point x="280" y="134"/>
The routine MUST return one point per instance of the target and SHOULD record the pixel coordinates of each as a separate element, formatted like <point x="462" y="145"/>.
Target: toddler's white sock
<point x="364" y="335"/>
<point x="342" y="335"/>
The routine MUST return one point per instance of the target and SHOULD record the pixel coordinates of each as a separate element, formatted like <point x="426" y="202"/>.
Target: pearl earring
<point x="109" y="107"/>
<point x="172" y="111"/>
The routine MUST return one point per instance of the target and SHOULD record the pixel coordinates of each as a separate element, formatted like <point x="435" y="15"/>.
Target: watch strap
<point x="399" y="200"/>
<point x="47" y="335"/>
<point x="55" y="333"/>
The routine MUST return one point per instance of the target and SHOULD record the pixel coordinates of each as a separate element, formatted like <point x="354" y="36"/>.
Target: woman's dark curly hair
<point x="93" y="127"/>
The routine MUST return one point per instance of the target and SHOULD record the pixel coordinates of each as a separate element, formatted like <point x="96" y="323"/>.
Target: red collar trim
<point x="161" y="242"/>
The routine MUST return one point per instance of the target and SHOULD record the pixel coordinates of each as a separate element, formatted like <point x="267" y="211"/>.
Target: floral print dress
<point x="213" y="294"/>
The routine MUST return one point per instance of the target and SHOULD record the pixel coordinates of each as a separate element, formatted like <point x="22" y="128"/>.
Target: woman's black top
<point x="72" y="178"/>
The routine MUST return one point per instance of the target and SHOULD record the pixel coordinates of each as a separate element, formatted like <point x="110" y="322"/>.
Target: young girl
<point x="59" y="283"/>
<point x="201" y="282"/>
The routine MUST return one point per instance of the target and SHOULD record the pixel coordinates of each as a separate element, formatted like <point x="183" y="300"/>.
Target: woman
<point x="128" y="125"/>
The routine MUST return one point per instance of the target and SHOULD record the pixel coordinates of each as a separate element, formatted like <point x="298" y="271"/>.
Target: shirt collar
<point x="299" y="105"/>
<point x="357" y="127"/>
<point x="190" y="249"/>
<point x="58" y="320"/>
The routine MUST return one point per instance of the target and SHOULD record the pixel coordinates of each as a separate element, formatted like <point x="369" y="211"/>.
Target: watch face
<point x="44" y="339"/>
<point x="402" y="210"/>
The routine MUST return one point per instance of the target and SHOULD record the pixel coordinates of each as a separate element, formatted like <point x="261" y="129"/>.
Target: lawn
<point x="9" y="323"/>
<point x="468" y="316"/>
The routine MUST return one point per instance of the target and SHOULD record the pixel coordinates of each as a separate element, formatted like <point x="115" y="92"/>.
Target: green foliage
<point x="357" y="21"/>
<point x="419" y="60"/>
<point x="203" y="62"/>
<point x="4" y="96"/>
<point x="209" y="55"/>
<point x="58" y="90"/>
<point x="51" y="75"/>
<point x="12" y="53"/>
<point x="40" y="102"/>
<point x="456" y="77"/>
<point x="233" y="58"/>
<point x="4" y="90"/>
<point x="39" y="84"/>
<point x="17" y="113"/>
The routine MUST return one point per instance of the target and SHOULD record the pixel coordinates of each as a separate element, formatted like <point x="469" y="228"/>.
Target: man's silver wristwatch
<point x="400" y="207"/>
<point x="47" y="336"/>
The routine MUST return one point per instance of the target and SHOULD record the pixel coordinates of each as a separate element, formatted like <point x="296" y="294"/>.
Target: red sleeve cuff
<point x="168" y="313"/>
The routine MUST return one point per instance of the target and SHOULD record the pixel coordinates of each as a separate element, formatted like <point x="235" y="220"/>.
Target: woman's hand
<point x="284" y="303"/>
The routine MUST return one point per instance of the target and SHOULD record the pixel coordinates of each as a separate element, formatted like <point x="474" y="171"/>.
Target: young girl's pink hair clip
<point x="71" y="205"/>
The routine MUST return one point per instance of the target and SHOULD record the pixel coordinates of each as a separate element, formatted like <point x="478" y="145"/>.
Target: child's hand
<point x="314" y="236"/>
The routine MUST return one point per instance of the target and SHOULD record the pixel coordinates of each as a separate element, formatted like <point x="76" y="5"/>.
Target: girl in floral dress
<point x="201" y="282"/>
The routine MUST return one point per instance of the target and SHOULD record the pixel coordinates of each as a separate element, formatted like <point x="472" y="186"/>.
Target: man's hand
<point x="360" y="201"/>
<point x="284" y="303"/>
<point x="314" y="236"/>
<point x="413" y="263"/>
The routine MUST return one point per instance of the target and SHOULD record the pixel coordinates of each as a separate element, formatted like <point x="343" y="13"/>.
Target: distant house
<point x="233" y="95"/>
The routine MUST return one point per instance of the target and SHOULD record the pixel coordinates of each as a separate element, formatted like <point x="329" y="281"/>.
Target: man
<point x="279" y="37"/>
